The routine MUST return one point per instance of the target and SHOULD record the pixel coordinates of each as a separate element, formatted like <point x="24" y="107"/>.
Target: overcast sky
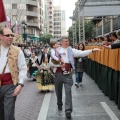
<point x="68" y="6"/>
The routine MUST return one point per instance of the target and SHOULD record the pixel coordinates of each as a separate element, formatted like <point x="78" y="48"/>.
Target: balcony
<point x="51" y="26"/>
<point x="50" y="20"/>
<point x="50" y="7"/>
<point x="51" y="29"/>
<point x="34" y="14"/>
<point x="33" y="24"/>
<point x="50" y="10"/>
<point x="50" y="15"/>
<point x="33" y="3"/>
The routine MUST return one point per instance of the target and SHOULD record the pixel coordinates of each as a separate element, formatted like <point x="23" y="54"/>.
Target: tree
<point x="46" y="38"/>
<point x="89" y="30"/>
<point x="70" y="34"/>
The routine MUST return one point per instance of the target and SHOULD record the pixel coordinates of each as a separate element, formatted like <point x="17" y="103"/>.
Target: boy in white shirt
<point x="56" y="60"/>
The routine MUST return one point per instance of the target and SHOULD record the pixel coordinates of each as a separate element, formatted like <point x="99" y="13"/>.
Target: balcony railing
<point x="30" y="13"/>
<point x="32" y="24"/>
<point x="30" y="2"/>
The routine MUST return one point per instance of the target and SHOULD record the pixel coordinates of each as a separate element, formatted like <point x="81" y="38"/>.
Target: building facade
<point x="48" y="17"/>
<point x="30" y="11"/>
<point x="59" y="22"/>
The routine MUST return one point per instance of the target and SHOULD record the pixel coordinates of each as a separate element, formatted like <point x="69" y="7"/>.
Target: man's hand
<point x="107" y="46"/>
<point x="62" y="60"/>
<point x="17" y="90"/>
<point x="96" y="49"/>
<point x="62" y="65"/>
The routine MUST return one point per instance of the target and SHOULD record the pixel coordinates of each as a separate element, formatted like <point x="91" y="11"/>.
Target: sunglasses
<point x="8" y="35"/>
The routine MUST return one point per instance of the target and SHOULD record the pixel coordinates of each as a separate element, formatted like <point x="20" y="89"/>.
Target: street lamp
<point x="24" y="25"/>
<point x="46" y="30"/>
<point x="40" y="34"/>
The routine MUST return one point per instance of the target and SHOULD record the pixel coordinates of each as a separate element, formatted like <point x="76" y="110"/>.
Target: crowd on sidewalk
<point x="111" y="40"/>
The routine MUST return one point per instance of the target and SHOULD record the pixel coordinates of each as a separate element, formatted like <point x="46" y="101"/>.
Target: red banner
<point x="2" y="12"/>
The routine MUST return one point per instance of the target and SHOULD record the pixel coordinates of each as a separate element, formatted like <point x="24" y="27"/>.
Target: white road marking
<point x="109" y="111"/>
<point x="44" y="108"/>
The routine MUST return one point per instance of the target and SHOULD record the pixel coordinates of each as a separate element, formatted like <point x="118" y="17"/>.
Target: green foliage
<point x="89" y="30"/>
<point x="46" y="38"/>
<point x="70" y="34"/>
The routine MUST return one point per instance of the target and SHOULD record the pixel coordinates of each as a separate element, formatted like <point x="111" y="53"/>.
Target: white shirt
<point x="39" y="57"/>
<point x="116" y="41"/>
<point x="22" y="67"/>
<point x="53" y="54"/>
<point x="45" y="54"/>
<point x="76" y="53"/>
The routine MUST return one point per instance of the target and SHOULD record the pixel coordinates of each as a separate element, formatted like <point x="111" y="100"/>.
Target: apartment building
<point x="48" y="18"/>
<point x="59" y="22"/>
<point x="30" y="11"/>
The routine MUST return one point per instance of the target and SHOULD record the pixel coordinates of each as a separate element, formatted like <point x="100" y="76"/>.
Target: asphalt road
<point x="89" y="103"/>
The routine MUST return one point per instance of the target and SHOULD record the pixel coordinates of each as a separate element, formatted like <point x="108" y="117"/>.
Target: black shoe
<point x="34" y="79"/>
<point x="60" y="108"/>
<point x="68" y="115"/>
<point x="76" y="84"/>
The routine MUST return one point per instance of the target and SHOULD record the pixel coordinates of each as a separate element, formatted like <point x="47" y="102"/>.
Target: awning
<point x="35" y="38"/>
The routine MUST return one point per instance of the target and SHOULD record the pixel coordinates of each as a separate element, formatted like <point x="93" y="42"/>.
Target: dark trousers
<point x="67" y="80"/>
<point x="7" y="102"/>
<point x="79" y="76"/>
<point x="32" y="70"/>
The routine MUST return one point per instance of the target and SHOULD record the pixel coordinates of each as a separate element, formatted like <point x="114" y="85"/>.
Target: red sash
<point x="7" y="79"/>
<point x="67" y="68"/>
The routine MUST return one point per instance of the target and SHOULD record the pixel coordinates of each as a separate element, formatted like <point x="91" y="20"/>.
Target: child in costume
<point x="44" y="77"/>
<point x="56" y="58"/>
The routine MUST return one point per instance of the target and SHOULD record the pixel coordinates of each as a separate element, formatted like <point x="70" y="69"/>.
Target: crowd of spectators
<point x="111" y="40"/>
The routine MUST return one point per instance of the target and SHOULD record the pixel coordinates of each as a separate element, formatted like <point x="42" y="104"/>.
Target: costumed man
<point x="46" y="54"/>
<point x="13" y="72"/>
<point x="67" y="80"/>
<point x="39" y="58"/>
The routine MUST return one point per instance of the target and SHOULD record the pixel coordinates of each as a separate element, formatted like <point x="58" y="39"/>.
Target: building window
<point x="14" y="6"/>
<point x="57" y="23"/>
<point x="57" y="32"/>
